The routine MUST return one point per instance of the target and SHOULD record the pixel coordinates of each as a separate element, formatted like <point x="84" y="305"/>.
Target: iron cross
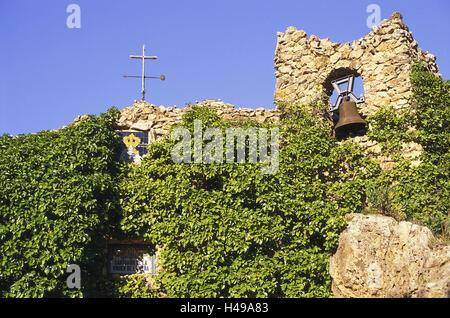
<point x="143" y="58"/>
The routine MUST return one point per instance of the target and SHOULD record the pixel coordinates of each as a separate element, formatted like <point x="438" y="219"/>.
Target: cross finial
<point x="143" y="77"/>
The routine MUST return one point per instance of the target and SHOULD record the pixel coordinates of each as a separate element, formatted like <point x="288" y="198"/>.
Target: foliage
<point x="134" y="286"/>
<point x="56" y="195"/>
<point x="432" y="103"/>
<point x="390" y="128"/>
<point x="230" y="231"/>
<point x="227" y="229"/>
<point x="129" y="286"/>
<point x="415" y="193"/>
<point x="418" y="193"/>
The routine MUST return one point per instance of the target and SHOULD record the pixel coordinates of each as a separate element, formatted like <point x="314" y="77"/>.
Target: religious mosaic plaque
<point x="129" y="259"/>
<point x="133" y="146"/>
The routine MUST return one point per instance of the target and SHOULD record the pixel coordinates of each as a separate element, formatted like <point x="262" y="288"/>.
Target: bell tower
<point x="306" y="67"/>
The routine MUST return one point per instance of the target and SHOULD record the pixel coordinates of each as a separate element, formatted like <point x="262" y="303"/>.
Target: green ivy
<point x="56" y="195"/>
<point x="410" y="192"/>
<point x="390" y="128"/>
<point x="129" y="286"/>
<point x="227" y="229"/>
<point x="432" y="103"/>
<point x="230" y="231"/>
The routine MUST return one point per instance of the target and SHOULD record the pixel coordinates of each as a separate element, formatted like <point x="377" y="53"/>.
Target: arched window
<point x="345" y="84"/>
<point x="358" y="89"/>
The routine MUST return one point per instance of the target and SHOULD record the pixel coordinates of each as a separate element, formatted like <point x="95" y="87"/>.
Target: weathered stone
<point x="335" y="57"/>
<point x="142" y="125"/>
<point x="383" y="58"/>
<point x="380" y="257"/>
<point x="389" y="45"/>
<point x="375" y="149"/>
<point x="384" y="46"/>
<point x="157" y="121"/>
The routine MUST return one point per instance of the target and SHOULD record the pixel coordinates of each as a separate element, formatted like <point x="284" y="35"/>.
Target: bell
<point x="349" y="118"/>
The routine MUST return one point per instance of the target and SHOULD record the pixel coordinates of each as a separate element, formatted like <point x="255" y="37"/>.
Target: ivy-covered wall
<point x="227" y="230"/>
<point x="230" y="231"/>
<point x="57" y="196"/>
<point x="411" y="191"/>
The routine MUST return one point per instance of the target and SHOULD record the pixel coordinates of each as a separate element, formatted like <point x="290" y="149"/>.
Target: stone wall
<point x="383" y="58"/>
<point x="142" y="116"/>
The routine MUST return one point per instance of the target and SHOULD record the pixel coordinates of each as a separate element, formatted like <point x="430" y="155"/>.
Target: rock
<point x="290" y="30"/>
<point x="335" y="57"/>
<point x="411" y="150"/>
<point x="285" y="69"/>
<point x="380" y="257"/>
<point x="160" y="131"/>
<point x="384" y="46"/>
<point x="142" y="125"/>
<point x="356" y="54"/>
<point x="396" y="15"/>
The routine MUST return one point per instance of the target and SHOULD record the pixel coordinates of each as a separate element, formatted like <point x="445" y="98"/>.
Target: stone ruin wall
<point x="142" y="116"/>
<point x="304" y="71"/>
<point x="383" y="59"/>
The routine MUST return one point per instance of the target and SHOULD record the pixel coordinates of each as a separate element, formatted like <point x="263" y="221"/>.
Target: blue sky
<point x="207" y="50"/>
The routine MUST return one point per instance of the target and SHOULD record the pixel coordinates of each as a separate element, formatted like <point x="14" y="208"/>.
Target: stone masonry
<point x="383" y="59"/>
<point x="304" y="71"/>
<point x="142" y="116"/>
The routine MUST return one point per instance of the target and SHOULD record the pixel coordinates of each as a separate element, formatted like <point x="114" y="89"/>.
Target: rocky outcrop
<point x="380" y="257"/>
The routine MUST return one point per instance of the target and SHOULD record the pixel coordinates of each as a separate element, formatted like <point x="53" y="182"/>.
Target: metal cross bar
<point x="143" y="57"/>
<point x="162" y="77"/>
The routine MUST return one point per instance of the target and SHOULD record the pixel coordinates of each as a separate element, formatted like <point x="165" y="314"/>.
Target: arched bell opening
<point x="338" y="73"/>
<point x="345" y="90"/>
